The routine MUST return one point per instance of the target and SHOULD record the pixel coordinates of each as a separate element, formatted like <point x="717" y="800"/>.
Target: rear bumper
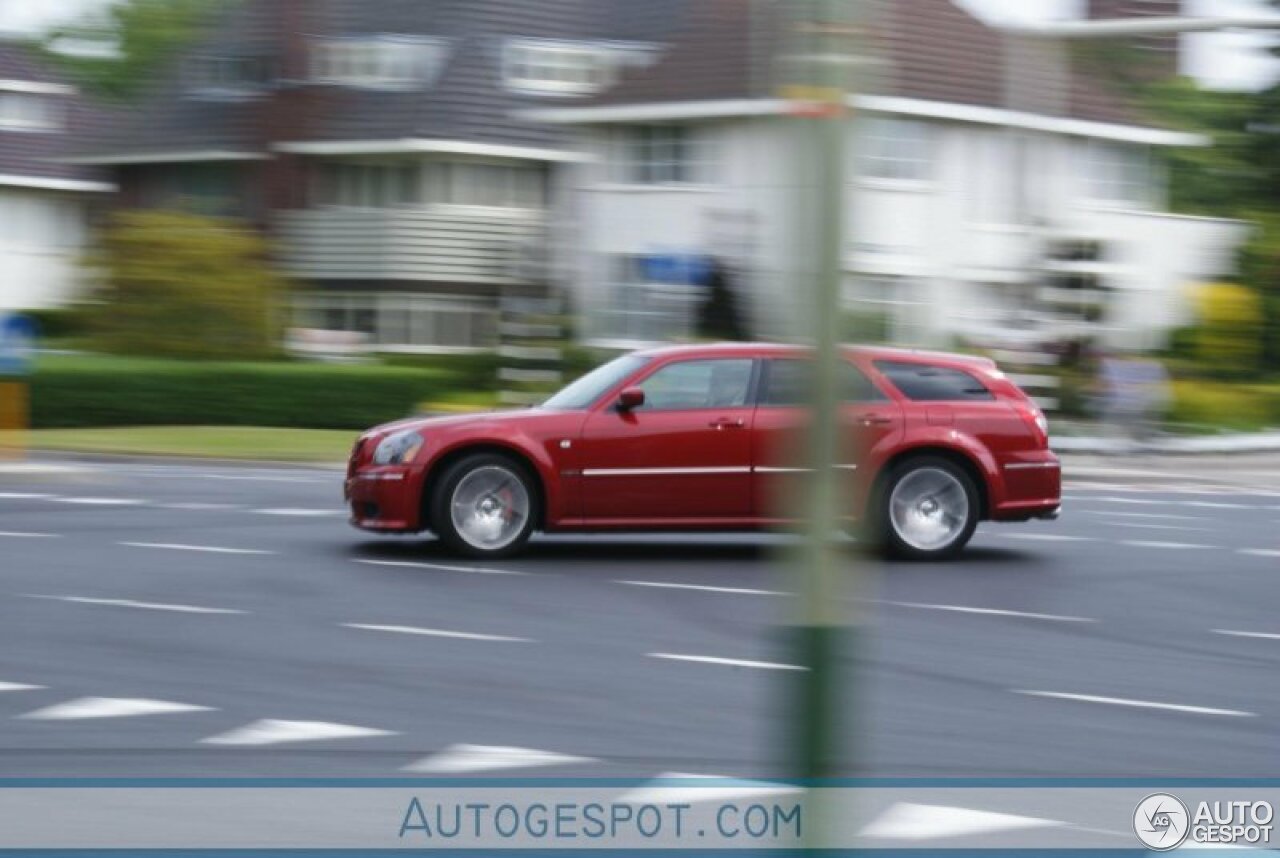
<point x="384" y="499"/>
<point x="1032" y="487"/>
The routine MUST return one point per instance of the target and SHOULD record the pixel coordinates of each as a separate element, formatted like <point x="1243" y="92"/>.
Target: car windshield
<point x="586" y="390"/>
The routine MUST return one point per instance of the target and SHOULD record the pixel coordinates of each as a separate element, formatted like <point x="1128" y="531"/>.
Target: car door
<point x="683" y="455"/>
<point x="870" y="420"/>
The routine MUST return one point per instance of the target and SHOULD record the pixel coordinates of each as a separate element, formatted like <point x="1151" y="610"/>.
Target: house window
<point x="368" y="186"/>
<point x="401" y="322"/>
<point x="635" y="308"/>
<point x="214" y="75"/>
<point x="1118" y="173"/>
<point x="898" y="149"/>
<point x="493" y="185"/>
<point x="553" y="68"/>
<point x="378" y="62"/>
<point x="992" y="178"/>
<point x="662" y="155"/>
<point x="24" y="111"/>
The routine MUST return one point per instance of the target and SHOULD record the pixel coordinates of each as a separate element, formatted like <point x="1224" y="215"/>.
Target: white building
<point x="44" y="203"/>
<point x="996" y="195"/>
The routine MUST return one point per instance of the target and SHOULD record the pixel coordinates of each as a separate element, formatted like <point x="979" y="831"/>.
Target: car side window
<point x="692" y="384"/>
<point x="922" y="382"/>
<point x="786" y="384"/>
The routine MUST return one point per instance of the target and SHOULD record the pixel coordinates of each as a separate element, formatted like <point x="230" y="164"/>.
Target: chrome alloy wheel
<point x="490" y="507"/>
<point x="929" y="509"/>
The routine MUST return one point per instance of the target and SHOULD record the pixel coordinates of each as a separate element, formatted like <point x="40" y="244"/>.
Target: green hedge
<point x="85" y="391"/>
<point x="1244" y="407"/>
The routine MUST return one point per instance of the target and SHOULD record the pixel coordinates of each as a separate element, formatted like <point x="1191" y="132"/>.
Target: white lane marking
<point x="257" y="478"/>
<point x="211" y="549"/>
<point x="995" y="612"/>
<point x="1269" y="636"/>
<point x="1218" y="505"/>
<point x="196" y="506"/>
<point x="462" y="759"/>
<point x="1177" y="546"/>
<point x="1139" y="501"/>
<point x="680" y="787"/>
<point x="736" y="591"/>
<point x="727" y="662"/>
<point x="99" y="501"/>
<point x="1161" y="516"/>
<point x="1143" y="525"/>
<point x="301" y="513"/>
<point x="19" y="534"/>
<point x="110" y="707"/>
<point x="130" y="603"/>
<point x="1048" y="537"/>
<point x="1259" y="552"/>
<point x="410" y="564"/>
<point x="435" y="633"/>
<point x="18" y="686"/>
<point x="271" y="731"/>
<point x="1140" y="704"/>
<point x="908" y="821"/>
<point x="24" y="496"/>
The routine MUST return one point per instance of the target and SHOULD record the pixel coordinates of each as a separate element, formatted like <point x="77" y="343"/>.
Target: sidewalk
<point x="1260" y="442"/>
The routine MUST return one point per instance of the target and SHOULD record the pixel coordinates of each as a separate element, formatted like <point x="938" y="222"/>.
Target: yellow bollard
<point x="14" y="419"/>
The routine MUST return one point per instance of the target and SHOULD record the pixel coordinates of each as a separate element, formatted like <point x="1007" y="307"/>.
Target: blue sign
<point x="676" y="269"/>
<point x="17" y="344"/>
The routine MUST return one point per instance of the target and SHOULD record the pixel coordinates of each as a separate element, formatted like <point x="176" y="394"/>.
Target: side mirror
<point x="630" y="399"/>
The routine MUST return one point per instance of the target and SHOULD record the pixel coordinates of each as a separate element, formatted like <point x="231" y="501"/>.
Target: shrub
<point x="1239" y="407"/>
<point x="58" y="324"/>
<point x="182" y="285"/>
<point x="73" y="392"/>
<point x="1229" y="339"/>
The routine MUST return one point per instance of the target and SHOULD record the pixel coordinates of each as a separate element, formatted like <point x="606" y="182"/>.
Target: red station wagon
<point x="704" y="438"/>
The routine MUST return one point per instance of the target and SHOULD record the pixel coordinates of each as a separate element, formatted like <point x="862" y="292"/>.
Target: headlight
<point x="398" y="448"/>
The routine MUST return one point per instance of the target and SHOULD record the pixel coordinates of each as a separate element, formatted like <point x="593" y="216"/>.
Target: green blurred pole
<point x="818" y="56"/>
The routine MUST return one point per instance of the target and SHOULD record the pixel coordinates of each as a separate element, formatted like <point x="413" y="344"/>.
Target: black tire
<point x="480" y="467"/>
<point x="954" y="530"/>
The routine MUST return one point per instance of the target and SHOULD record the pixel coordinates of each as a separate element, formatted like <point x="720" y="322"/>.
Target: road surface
<point x="222" y="620"/>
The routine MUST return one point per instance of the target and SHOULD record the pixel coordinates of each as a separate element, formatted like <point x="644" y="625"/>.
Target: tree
<point x="144" y="35"/>
<point x="182" y="285"/>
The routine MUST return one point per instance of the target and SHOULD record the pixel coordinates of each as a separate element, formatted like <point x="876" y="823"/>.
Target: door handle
<point x="727" y="423"/>
<point x="876" y="420"/>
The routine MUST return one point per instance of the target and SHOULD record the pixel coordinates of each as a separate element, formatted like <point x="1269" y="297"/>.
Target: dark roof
<point x="467" y="102"/>
<point x="34" y="154"/>
<point x="708" y="50"/>
<point x="928" y="49"/>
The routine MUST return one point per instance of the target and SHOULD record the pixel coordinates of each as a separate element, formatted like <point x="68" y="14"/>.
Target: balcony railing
<point x="459" y="244"/>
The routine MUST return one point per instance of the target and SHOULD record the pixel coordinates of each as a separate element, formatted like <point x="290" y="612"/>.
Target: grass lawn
<point x="228" y="442"/>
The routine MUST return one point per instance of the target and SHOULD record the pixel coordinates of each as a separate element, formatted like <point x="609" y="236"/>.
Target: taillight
<point x="1035" y="420"/>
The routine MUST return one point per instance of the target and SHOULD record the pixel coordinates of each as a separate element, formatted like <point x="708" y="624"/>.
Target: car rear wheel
<point x="485" y="506"/>
<point x="929" y="508"/>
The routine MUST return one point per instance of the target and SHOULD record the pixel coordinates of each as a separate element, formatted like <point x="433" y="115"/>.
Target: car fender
<point x="504" y="437"/>
<point x="925" y="437"/>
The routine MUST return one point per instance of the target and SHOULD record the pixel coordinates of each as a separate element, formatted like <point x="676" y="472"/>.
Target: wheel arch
<point x="960" y="458"/>
<point x="441" y="464"/>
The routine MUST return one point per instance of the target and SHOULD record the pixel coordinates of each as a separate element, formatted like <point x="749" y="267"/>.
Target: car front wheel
<point x="929" y="509"/>
<point x="484" y="506"/>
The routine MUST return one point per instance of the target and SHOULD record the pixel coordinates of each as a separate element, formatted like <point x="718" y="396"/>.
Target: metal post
<point x="816" y="72"/>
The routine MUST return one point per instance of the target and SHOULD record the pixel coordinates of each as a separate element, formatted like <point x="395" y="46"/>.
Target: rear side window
<point x="786" y="384"/>
<point x="924" y="383"/>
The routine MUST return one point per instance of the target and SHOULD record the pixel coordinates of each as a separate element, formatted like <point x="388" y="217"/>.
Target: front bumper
<point x="384" y="499"/>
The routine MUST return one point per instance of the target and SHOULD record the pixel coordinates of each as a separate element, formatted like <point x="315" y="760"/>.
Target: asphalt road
<point x="218" y="620"/>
